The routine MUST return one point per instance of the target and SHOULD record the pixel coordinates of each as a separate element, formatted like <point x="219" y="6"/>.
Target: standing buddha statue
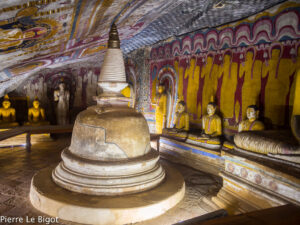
<point x="7" y="114"/>
<point x="62" y="97"/>
<point x="161" y="109"/>
<point x="251" y="123"/>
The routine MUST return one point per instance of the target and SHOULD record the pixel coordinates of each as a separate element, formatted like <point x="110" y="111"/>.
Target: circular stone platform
<point x="55" y="201"/>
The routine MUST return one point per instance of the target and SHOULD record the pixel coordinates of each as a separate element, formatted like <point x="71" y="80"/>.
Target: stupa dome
<point x="110" y="154"/>
<point x="110" y="135"/>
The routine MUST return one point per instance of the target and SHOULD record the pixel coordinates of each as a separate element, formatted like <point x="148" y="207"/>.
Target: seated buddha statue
<point x="160" y="109"/>
<point x="211" y="123"/>
<point x="36" y="115"/>
<point x="7" y="114"/>
<point x="251" y="123"/>
<point x="181" y="122"/>
<point x="211" y="130"/>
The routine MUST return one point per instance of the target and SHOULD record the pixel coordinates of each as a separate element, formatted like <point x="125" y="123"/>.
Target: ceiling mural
<point x="40" y="34"/>
<point x="22" y="31"/>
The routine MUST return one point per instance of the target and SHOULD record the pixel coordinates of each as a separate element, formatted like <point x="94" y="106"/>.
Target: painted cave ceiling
<point x="35" y="35"/>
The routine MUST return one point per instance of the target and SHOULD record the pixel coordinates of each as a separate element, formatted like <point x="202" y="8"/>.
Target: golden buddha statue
<point x="211" y="123"/>
<point x="251" y="123"/>
<point x="161" y="109"/>
<point x="181" y="122"/>
<point x="36" y="115"/>
<point x="7" y="114"/>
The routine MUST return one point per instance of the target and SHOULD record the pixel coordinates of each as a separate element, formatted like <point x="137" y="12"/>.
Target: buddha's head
<point x="211" y="108"/>
<point x="275" y="54"/>
<point x="62" y="86"/>
<point x="181" y="107"/>
<point x="161" y="88"/>
<point x="36" y="104"/>
<point x="6" y="104"/>
<point x="249" y="56"/>
<point x="209" y="60"/>
<point x="252" y="112"/>
<point x="227" y="59"/>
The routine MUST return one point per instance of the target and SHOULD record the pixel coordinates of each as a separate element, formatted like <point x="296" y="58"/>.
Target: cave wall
<point x="252" y="61"/>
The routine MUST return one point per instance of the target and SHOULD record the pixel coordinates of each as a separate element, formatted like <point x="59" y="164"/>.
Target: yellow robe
<point x="182" y="121"/>
<point x="212" y="125"/>
<point x="254" y="125"/>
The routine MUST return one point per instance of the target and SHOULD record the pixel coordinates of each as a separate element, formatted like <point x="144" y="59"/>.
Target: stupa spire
<point x="113" y="41"/>
<point x="112" y="77"/>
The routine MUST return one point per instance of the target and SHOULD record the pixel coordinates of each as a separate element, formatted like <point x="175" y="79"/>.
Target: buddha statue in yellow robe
<point x="161" y="109"/>
<point x="251" y="123"/>
<point x="181" y="122"/>
<point x="36" y="115"/>
<point x="211" y="123"/>
<point x="211" y="130"/>
<point x="7" y="114"/>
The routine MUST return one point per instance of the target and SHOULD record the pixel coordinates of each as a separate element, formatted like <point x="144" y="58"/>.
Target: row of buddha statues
<point x="211" y="123"/>
<point x="36" y="114"/>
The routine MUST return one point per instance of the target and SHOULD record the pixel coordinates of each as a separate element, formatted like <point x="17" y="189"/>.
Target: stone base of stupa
<point x="55" y="201"/>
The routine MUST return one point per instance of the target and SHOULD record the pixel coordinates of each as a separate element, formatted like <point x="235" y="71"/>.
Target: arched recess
<point x="53" y="80"/>
<point x="168" y="77"/>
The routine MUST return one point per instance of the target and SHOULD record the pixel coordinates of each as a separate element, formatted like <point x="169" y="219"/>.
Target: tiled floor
<point x="17" y="168"/>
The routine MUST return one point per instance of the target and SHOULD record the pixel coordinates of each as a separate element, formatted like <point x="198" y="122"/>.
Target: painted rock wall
<point x="252" y="61"/>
